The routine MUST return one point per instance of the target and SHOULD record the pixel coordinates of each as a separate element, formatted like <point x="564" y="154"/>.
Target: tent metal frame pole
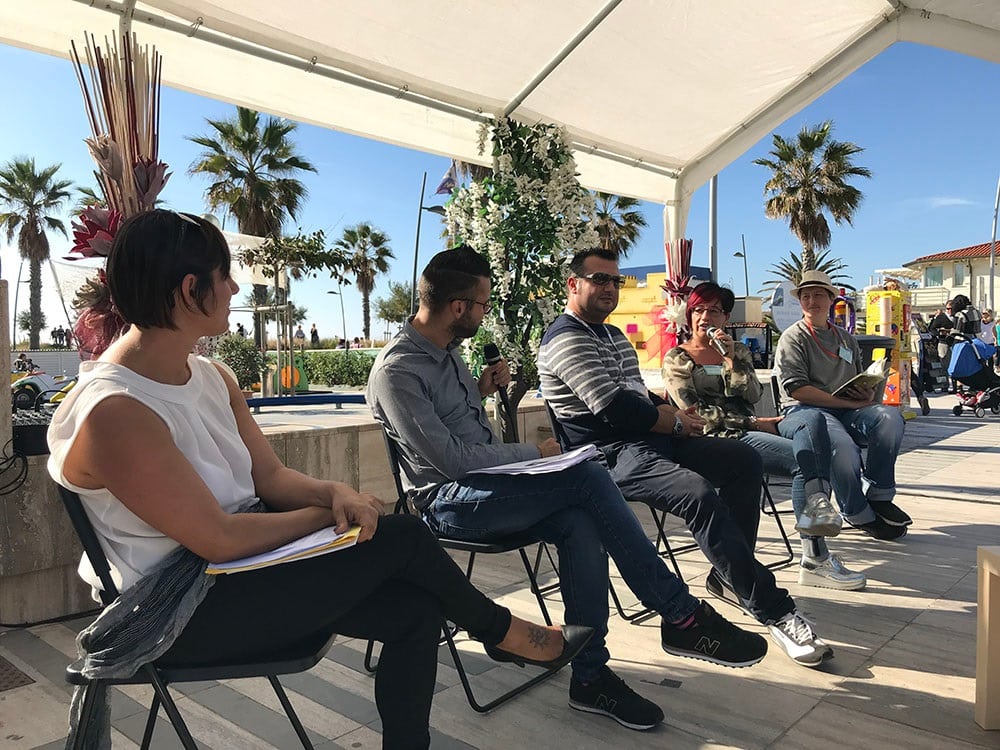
<point x="993" y="248"/>
<point x="312" y="67"/>
<point x="713" y="227"/>
<point x="560" y="56"/>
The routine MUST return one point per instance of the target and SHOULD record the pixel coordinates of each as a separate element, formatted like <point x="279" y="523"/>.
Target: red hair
<point x="705" y="294"/>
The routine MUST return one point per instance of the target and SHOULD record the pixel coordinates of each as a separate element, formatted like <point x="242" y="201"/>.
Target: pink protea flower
<point x="93" y="231"/>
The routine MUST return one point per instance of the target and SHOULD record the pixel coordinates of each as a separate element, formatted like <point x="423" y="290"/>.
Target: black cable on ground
<point x="50" y="620"/>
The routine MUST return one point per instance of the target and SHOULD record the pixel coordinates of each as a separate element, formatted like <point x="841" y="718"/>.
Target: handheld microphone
<point x="720" y="347"/>
<point x="491" y="353"/>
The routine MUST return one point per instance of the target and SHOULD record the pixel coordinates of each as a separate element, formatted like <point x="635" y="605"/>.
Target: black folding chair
<point x="290" y="660"/>
<point x="663" y="547"/>
<point x="513" y="543"/>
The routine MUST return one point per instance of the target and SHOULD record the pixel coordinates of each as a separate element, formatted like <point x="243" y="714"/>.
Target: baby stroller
<point x="969" y="367"/>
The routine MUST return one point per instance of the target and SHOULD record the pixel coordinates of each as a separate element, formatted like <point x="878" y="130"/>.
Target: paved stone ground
<point x="903" y="675"/>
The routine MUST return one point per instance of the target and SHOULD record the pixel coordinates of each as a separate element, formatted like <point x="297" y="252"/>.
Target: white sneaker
<point x="795" y="635"/>
<point x="819" y="517"/>
<point x="830" y="574"/>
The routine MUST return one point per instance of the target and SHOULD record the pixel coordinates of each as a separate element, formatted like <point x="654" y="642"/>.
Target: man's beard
<point x="464" y="328"/>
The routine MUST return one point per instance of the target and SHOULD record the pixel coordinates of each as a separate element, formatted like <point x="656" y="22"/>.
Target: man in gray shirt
<point x="423" y="394"/>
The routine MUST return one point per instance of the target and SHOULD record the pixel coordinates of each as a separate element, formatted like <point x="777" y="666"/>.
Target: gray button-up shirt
<point x="429" y="402"/>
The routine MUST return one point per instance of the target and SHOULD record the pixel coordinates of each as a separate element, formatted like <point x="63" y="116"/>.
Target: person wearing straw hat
<point x="813" y="359"/>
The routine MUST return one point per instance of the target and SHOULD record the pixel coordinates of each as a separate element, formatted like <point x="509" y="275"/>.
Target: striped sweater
<point x="590" y="378"/>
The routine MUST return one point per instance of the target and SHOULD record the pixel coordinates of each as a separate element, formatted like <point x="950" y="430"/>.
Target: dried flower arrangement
<point x="121" y="93"/>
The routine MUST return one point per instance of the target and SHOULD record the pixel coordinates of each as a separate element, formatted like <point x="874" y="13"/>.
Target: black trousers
<point x="679" y="475"/>
<point x="396" y="588"/>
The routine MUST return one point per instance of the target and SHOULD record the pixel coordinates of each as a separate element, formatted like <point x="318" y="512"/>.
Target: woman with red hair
<point x="715" y="374"/>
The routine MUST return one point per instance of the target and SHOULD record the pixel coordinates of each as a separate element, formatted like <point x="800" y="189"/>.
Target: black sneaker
<point x="713" y="638"/>
<point x="720" y="589"/>
<point x="608" y="695"/>
<point x="879" y="529"/>
<point x="891" y="513"/>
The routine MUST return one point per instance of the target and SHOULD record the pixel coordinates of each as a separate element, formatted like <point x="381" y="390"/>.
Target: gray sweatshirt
<point x="800" y="360"/>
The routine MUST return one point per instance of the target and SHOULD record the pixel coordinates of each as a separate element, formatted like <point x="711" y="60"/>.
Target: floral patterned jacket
<point x="725" y="401"/>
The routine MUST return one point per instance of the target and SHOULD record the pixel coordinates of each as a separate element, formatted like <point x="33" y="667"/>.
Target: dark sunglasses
<point x="603" y="279"/>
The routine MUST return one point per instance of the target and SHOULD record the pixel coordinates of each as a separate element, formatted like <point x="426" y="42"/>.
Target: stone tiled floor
<point x="903" y="675"/>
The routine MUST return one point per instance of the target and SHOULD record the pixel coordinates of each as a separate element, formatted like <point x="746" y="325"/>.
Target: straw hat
<point x="815" y="279"/>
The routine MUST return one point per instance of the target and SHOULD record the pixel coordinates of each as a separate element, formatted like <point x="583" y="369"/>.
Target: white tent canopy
<point x="657" y="96"/>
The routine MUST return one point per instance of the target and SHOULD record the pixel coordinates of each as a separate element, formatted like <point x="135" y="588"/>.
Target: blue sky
<point x="926" y="118"/>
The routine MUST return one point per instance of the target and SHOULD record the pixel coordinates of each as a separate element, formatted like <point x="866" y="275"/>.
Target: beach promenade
<point x="903" y="675"/>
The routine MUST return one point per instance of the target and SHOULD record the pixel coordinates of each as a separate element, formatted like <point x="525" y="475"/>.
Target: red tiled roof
<point x="973" y="251"/>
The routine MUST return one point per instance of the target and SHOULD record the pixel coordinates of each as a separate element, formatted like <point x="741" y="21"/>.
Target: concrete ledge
<point x="39" y="552"/>
<point x="988" y="640"/>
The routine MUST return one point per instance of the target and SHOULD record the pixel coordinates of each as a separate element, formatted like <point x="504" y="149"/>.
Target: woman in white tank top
<point x="165" y="454"/>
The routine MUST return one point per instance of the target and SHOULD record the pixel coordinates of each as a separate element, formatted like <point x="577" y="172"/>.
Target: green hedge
<point x="338" y="367"/>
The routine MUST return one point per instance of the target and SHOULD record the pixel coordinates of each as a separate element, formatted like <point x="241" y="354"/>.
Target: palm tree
<point x="791" y="270"/>
<point x="30" y="197"/>
<point x="618" y="222"/>
<point x="809" y="176"/>
<point x="254" y="166"/>
<point x="368" y="255"/>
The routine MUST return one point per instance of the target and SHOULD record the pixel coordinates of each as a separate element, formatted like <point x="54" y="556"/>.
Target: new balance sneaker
<point x="713" y="638"/>
<point x="720" y="589"/>
<point x="891" y="513"/>
<point x="608" y="695"/>
<point x="879" y="529"/>
<point x="795" y="635"/>
<point x="819" y="517"/>
<point x="830" y="574"/>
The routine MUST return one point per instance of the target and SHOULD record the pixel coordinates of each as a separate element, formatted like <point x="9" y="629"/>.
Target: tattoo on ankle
<point x="538" y="636"/>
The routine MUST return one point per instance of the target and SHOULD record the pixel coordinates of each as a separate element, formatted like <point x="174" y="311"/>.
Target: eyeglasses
<point x="708" y="311"/>
<point x="486" y="305"/>
<point x="603" y="279"/>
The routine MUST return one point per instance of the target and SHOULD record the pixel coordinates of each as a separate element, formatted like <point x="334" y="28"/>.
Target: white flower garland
<point x="533" y="195"/>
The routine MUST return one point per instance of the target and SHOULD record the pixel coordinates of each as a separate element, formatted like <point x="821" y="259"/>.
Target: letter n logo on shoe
<point x="707" y="646"/>
<point x="605" y="703"/>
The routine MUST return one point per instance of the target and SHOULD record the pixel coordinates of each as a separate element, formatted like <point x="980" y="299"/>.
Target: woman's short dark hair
<point x="708" y="292"/>
<point x="452" y="274"/>
<point x="959" y="303"/>
<point x="152" y="253"/>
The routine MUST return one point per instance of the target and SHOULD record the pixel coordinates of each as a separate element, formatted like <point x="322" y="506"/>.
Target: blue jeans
<point x="678" y="475"/>
<point x="581" y="512"/>
<point x="878" y="427"/>
<point x="778" y="456"/>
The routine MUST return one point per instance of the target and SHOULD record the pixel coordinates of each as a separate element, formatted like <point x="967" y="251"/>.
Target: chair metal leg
<point x="789" y="553"/>
<point x="290" y="712"/>
<point x="534" y="586"/>
<point x="467" y="687"/>
<point x="86" y="713"/>
<point x="641" y="615"/>
<point x="661" y="540"/>
<point x="554" y="586"/>
<point x="371" y="665"/>
<point x="171" y="708"/>
<point x="147" y="732"/>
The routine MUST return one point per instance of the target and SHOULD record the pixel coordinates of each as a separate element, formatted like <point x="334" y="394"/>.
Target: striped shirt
<point x="590" y="378"/>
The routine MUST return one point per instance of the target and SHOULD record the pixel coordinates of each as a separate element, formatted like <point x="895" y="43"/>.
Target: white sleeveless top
<point x="203" y="427"/>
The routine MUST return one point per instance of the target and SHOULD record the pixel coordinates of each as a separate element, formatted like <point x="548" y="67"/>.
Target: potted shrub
<point x="243" y="358"/>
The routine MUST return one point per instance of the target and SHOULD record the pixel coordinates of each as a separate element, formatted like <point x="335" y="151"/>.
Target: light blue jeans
<point x="582" y="512"/>
<point x="855" y="484"/>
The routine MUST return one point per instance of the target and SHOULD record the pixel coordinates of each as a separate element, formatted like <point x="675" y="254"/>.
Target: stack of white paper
<point x="318" y="543"/>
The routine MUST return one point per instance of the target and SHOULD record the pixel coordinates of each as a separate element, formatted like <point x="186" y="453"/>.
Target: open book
<point x="543" y="465"/>
<point x="318" y="543"/>
<point x="874" y="377"/>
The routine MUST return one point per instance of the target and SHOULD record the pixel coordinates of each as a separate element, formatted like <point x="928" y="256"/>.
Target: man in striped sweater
<point x="591" y="379"/>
